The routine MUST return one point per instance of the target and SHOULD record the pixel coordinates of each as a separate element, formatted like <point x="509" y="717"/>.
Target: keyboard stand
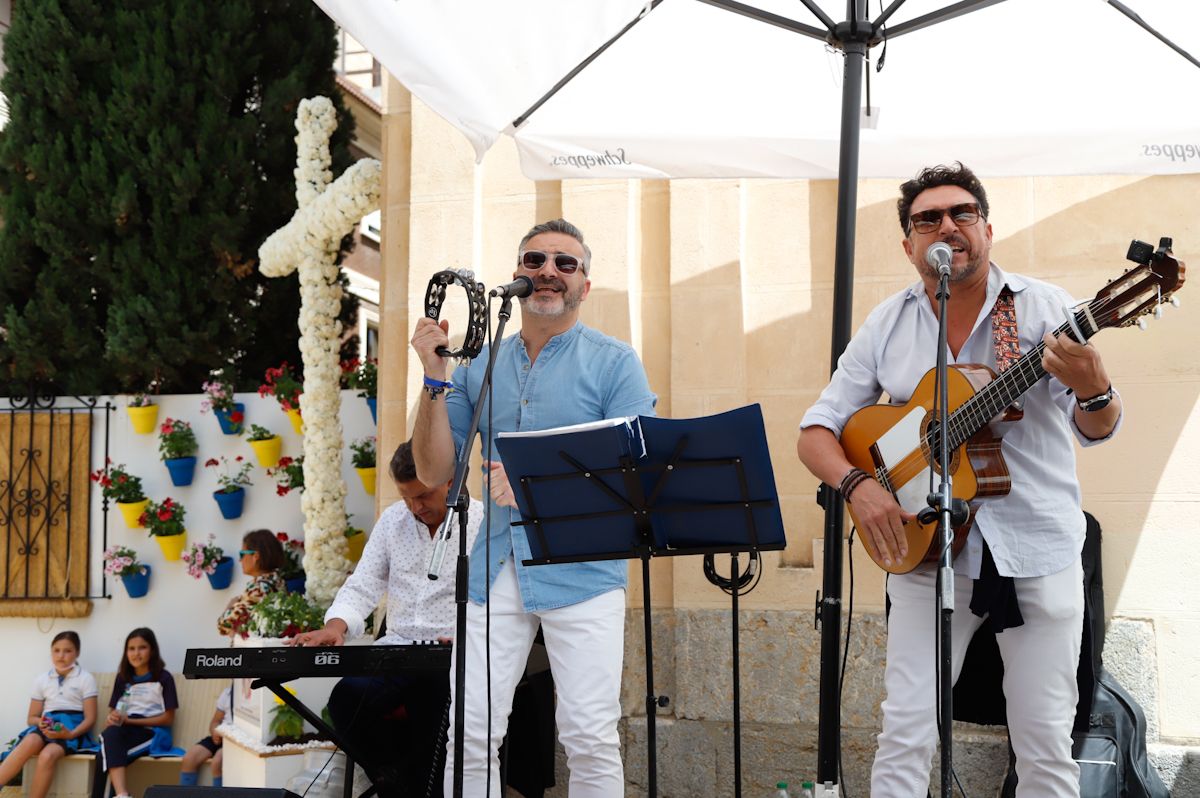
<point x="276" y="687"/>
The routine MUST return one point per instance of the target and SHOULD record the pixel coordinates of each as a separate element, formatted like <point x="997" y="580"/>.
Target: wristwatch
<point x="1098" y="402"/>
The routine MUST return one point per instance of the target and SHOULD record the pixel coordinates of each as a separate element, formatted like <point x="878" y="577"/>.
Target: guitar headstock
<point x="1139" y="291"/>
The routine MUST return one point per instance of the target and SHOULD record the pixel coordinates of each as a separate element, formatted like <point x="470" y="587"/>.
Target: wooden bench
<point x="197" y="702"/>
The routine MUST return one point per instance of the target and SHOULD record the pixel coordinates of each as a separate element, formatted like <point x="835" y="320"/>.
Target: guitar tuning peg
<point x="1158" y="312"/>
<point x="1141" y="323"/>
<point x="1175" y="301"/>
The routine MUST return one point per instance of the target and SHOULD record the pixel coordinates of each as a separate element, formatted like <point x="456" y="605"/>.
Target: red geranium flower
<point x="236" y="417"/>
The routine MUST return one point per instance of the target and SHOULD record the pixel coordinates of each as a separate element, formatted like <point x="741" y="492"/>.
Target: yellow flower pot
<point x="267" y="451"/>
<point x="297" y="424"/>
<point x="172" y="545"/>
<point x="133" y="510"/>
<point x="354" y="546"/>
<point x="367" y="475"/>
<point x="143" y="418"/>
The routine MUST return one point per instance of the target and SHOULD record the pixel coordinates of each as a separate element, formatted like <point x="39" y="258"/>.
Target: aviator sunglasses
<point x="964" y="215"/>
<point x="535" y="259"/>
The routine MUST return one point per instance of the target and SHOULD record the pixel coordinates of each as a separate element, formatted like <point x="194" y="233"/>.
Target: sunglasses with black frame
<point x="963" y="215"/>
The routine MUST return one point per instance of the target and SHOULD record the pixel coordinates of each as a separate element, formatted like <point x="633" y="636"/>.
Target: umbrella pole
<point x="854" y="43"/>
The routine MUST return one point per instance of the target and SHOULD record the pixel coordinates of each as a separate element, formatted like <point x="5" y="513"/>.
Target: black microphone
<point x="938" y="256"/>
<point x="520" y="287"/>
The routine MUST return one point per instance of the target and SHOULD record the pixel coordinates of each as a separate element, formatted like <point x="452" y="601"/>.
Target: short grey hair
<point x="564" y="227"/>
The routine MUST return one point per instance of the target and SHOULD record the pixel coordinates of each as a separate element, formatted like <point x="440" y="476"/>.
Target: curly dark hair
<point x="270" y="550"/>
<point x="934" y="176"/>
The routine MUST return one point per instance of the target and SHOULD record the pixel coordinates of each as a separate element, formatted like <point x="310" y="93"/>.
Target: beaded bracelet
<point x="436" y="388"/>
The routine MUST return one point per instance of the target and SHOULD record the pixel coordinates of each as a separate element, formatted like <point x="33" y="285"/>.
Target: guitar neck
<point x="975" y="413"/>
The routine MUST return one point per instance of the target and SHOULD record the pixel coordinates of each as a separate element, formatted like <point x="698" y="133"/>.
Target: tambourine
<point x="477" y="319"/>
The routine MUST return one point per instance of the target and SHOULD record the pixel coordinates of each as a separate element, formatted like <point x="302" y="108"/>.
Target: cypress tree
<point x="149" y="153"/>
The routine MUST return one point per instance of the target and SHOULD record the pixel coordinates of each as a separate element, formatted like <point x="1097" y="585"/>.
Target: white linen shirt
<point x="1038" y="527"/>
<point x="395" y="561"/>
<point x="66" y="695"/>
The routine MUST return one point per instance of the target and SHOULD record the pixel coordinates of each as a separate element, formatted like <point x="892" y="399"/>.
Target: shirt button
<point x="525" y="367"/>
<point x="524" y="401"/>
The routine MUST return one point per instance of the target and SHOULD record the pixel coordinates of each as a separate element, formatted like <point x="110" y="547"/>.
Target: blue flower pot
<point x="231" y="504"/>
<point x="371" y="404"/>
<point x="182" y="470"/>
<point x="137" y="585"/>
<point x="228" y="425"/>
<point x="223" y="576"/>
<point x="295" y="585"/>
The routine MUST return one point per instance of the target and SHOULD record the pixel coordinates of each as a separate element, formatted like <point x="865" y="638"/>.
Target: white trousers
<point x="1040" y="660"/>
<point x="585" y="643"/>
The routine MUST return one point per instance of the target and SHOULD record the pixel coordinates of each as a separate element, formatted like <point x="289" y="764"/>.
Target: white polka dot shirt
<point x="395" y="562"/>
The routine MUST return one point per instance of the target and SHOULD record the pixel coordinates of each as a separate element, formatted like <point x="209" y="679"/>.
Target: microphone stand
<point x="457" y="502"/>
<point x="949" y="511"/>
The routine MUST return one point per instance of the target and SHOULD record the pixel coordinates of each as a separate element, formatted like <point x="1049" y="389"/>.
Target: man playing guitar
<point x="1020" y="568"/>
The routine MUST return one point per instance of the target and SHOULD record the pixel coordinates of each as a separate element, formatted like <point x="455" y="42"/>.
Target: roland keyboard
<point x="285" y="662"/>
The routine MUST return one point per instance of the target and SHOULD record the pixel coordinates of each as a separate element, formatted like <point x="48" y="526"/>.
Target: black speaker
<point x="180" y="791"/>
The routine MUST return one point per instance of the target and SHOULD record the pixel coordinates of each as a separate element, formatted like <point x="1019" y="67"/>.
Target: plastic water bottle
<point x="806" y="790"/>
<point x="780" y="790"/>
<point x="123" y="702"/>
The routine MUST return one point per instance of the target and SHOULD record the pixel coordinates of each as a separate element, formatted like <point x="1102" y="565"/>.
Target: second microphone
<point x="520" y="287"/>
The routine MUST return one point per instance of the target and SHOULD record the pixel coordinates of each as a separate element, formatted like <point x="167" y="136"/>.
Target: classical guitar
<point x="896" y="444"/>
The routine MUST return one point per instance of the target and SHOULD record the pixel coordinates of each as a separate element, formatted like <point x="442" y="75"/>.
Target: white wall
<point x="181" y="611"/>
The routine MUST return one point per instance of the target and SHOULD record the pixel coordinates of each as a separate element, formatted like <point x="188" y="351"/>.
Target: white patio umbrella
<point x="720" y="88"/>
<point x="1025" y="87"/>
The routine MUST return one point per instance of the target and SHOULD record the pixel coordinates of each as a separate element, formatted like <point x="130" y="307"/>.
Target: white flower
<point x="309" y="242"/>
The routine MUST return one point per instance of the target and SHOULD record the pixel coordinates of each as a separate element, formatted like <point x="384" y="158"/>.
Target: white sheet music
<point x="631" y="423"/>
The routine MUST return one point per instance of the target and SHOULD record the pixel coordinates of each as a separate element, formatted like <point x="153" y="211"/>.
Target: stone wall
<point x="725" y="289"/>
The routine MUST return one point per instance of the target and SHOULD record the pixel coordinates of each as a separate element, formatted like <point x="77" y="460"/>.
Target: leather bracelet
<point x="849" y="482"/>
<point x="853" y="486"/>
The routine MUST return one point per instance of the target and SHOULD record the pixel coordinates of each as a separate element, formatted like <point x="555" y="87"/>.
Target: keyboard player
<point x="395" y="721"/>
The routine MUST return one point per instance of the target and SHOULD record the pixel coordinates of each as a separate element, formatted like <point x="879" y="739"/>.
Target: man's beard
<point x="975" y="260"/>
<point x="570" y="300"/>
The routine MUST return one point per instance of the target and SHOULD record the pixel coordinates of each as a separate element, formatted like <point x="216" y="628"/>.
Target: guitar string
<point x="916" y="461"/>
<point x="980" y="408"/>
<point x="1030" y="366"/>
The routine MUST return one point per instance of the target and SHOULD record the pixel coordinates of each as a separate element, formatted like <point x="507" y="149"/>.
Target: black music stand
<point x="649" y="487"/>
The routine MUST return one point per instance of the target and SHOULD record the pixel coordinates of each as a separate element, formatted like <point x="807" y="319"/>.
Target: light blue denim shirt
<point x="581" y="375"/>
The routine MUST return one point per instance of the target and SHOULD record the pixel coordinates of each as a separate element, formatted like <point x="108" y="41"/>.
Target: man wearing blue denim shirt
<point x="556" y="372"/>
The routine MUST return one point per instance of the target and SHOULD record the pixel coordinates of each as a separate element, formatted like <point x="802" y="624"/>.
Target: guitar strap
<point x="995" y="596"/>
<point x="1004" y="330"/>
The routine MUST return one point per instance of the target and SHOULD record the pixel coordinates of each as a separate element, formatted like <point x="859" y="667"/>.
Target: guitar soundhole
<point x="927" y="452"/>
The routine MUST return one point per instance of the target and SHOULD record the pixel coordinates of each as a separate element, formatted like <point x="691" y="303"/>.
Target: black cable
<point x="937" y="652"/>
<point x="487" y="564"/>
<point x="362" y="698"/>
<point x="846" y="649"/>
<point x="751" y="576"/>
<point x="443" y="739"/>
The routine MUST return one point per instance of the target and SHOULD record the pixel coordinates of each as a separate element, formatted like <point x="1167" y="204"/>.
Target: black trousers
<point x="404" y="749"/>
